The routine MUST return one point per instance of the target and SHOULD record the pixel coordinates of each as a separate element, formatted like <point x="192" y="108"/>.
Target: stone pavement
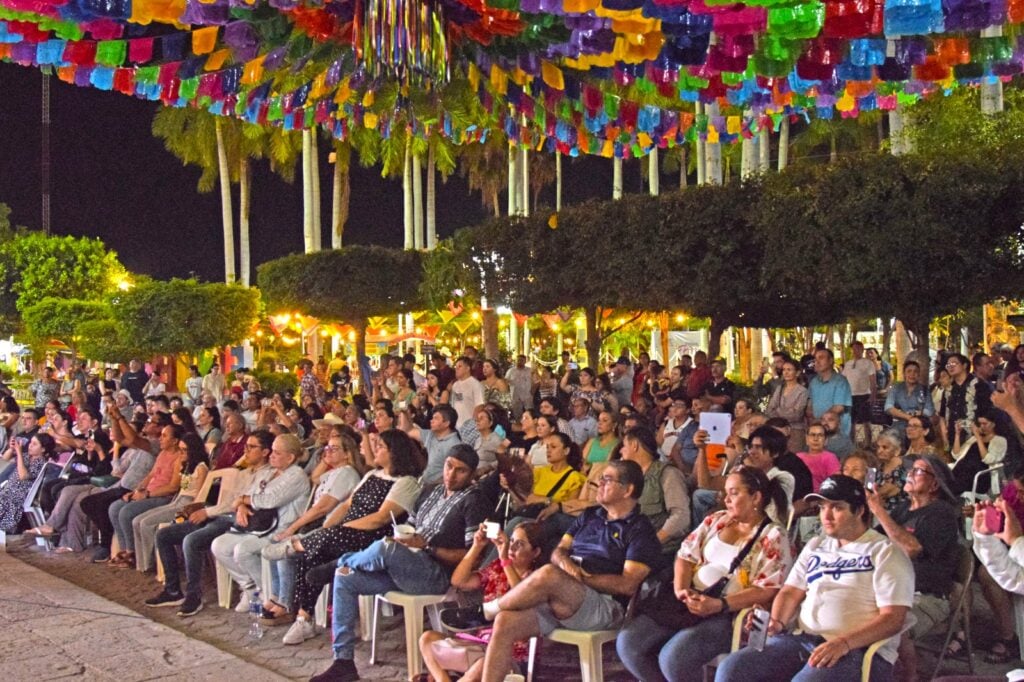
<point x="105" y="632"/>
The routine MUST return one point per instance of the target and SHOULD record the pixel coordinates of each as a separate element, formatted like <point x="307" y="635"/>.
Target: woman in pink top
<point x="820" y="461"/>
<point x="155" y="490"/>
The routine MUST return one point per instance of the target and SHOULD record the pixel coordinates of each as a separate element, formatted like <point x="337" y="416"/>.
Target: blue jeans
<point x="704" y="502"/>
<point x="123" y="513"/>
<point x="785" y="657"/>
<point x="654" y="653"/>
<point x="382" y="567"/>
<point x="195" y="543"/>
<point x="282" y="582"/>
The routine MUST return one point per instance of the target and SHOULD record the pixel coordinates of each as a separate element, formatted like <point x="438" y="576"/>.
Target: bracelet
<point x="505" y="563"/>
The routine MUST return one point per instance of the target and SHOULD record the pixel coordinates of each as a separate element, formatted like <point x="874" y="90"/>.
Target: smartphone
<point x="759" y="631"/>
<point x="994" y="520"/>
<point x="491" y="529"/>
<point x="871" y="478"/>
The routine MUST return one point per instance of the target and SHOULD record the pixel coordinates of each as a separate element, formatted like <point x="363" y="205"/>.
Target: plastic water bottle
<point x="255" y="608"/>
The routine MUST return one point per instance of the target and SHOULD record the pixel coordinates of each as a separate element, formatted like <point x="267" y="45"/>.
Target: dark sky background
<point x="112" y="179"/>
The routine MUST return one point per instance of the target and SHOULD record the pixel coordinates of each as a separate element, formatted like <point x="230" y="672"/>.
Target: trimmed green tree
<point x="350" y="284"/>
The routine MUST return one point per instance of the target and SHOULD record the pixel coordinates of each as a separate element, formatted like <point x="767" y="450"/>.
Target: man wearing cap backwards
<point x="847" y="590"/>
<point x="927" y="528"/>
<point x="445" y="518"/>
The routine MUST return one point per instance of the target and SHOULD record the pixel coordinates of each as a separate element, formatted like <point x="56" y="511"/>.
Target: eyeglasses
<point x="917" y="472"/>
<point x="816" y="434"/>
<point x="608" y="480"/>
<point x="253" y="446"/>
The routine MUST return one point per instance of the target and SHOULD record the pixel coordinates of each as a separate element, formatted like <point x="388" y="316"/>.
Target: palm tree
<point x="855" y="135"/>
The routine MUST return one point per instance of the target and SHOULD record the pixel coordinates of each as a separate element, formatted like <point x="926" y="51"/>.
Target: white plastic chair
<point x="412" y="607"/>
<point x="973" y="496"/>
<point x="590" y="644"/>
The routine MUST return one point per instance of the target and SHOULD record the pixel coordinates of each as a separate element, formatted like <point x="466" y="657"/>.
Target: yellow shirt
<point x="544" y="479"/>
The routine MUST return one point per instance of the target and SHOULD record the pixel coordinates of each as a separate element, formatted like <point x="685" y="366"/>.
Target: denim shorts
<point x="597" y="612"/>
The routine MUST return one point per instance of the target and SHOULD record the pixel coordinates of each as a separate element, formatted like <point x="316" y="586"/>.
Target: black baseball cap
<point x="839" y="488"/>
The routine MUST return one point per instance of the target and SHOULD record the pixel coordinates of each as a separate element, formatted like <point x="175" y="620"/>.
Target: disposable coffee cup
<point x="404" y="531"/>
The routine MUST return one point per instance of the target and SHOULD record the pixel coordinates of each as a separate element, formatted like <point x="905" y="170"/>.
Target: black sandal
<point x="1003" y="651"/>
<point x="957" y="646"/>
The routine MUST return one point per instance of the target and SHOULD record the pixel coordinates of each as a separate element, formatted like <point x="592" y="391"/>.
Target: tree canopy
<point x="350" y="284"/>
<point x="183" y="316"/>
<point x="61" y="318"/>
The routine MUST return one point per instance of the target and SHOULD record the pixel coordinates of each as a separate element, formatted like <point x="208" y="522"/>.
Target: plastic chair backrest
<point x="50" y="471"/>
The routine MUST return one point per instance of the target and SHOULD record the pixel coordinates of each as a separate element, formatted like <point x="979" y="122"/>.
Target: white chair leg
<point x="591" y="664"/>
<point x="320" y="612"/>
<point x="530" y="660"/>
<point x="413" y="630"/>
<point x="365" y="613"/>
<point x="225" y="586"/>
<point x="434" y="612"/>
<point x="373" y="631"/>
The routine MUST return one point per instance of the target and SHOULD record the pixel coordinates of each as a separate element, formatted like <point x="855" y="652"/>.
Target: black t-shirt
<point x="803" y="484"/>
<point x="726" y="388"/>
<point x="937" y="528"/>
<point x="133" y="382"/>
<point x="340" y="381"/>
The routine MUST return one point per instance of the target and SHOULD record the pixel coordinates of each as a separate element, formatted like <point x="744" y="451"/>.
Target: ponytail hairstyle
<point x="575" y="456"/>
<point x="756" y="481"/>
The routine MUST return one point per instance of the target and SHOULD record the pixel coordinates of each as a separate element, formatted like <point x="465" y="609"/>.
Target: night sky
<point x="112" y="179"/>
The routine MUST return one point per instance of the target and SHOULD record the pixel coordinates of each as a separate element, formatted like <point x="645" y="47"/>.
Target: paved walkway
<point x="56" y="630"/>
<point x="66" y="617"/>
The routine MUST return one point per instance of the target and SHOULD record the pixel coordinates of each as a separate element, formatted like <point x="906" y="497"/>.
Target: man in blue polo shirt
<point x="596" y="568"/>
<point x="830" y="392"/>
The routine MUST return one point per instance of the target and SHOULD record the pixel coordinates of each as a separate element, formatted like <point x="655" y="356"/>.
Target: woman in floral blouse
<point x="652" y="652"/>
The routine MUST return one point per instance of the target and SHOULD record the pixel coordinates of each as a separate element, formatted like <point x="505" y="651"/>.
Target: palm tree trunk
<point x="307" y="191"/>
<point x="524" y="190"/>
<point x="314" y="170"/>
<point x="244" y="192"/>
<point x="653" y="180"/>
<point x="407" y="195"/>
<point x="784" y="144"/>
<point x="682" y="165"/>
<point x="765" y="149"/>
<point x="417" y="203"/>
<point x="342" y="193"/>
<point x="431" y="201"/>
<point x="558" y="181"/>
<point x="225" y="204"/>
<point x="713" y="152"/>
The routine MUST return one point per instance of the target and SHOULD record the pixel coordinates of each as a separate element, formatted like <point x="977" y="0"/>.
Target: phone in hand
<point x="871" y="478"/>
<point x="994" y="520"/>
<point x="759" y="632"/>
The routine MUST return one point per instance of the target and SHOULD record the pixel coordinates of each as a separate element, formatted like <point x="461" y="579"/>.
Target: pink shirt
<point x="822" y="465"/>
<point x="163" y="470"/>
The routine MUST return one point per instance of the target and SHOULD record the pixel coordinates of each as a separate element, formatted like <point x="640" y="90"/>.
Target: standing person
<point x="134" y="379"/>
<point x="769" y="378"/>
<point x="45" y="388"/>
<point x="446" y="375"/>
<point x="828" y="391"/>
<point x="908" y="398"/>
<point x="520" y="379"/>
<point x="496" y="389"/>
<point x="466" y="392"/>
<point x="699" y="377"/>
<point x="968" y="397"/>
<point x="622" y="380"/>
<point x="720" y="390"/>
<point x="596" y="568"/>
<point x="194" y="385"/>
<point x="860" y="373"/>
<point x="213" y="382"/>
<point x="847" y="590"/>
<point x="789" y="401"/>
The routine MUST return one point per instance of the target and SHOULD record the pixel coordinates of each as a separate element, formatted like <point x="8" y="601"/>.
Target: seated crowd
<point x="619" y="512"/>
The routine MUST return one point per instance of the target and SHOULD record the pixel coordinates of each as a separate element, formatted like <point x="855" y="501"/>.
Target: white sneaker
<point x="243" y="603"/>
<point x="299" y="632"/>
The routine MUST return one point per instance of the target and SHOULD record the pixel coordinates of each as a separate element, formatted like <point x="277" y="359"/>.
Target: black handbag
<point x="662" y="606"/>
<point x="261" y="522"/>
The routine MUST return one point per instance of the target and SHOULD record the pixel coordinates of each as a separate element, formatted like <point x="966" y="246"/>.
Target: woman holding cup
<point x="518" y="556"/>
